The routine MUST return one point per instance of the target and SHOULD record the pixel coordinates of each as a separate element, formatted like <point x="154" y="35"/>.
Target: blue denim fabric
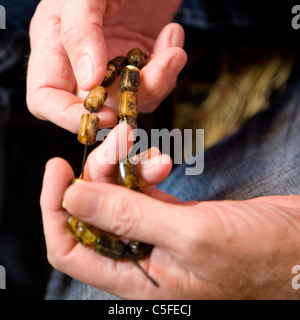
<point x="218" y="14"/>
<point x="62" y="287"/>
<point x="262" y="159"/>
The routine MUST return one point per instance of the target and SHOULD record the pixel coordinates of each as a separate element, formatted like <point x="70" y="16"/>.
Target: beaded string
<point x="128" y="68"/>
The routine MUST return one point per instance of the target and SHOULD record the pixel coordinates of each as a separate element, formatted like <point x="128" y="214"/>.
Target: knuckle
<point x="76" y="37"/>
<point x="158" y="93"/>
<point x="125" y="218"/>
<point x="69" y="36"/>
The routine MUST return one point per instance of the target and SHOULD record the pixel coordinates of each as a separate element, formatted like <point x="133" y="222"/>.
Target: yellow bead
<point x="89" y="126"/>
<point x="128" y="104"/>
<point x="95" y="99"/>
<point x="83" y="232"/>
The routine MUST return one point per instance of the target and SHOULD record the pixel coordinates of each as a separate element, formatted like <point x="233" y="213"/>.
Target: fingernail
<point x="84" y="70"/>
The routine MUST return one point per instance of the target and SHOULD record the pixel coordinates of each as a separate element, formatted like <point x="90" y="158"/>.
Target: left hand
<point x="206" y="250"/>
<point x="71" y="42"/>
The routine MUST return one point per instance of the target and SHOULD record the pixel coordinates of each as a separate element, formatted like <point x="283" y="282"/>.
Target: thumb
<point x="82" y="38"/>
<point x="125" y="212"/>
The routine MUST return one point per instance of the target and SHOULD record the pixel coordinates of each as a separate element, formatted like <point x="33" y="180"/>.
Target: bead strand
<point x="129" y="70"/>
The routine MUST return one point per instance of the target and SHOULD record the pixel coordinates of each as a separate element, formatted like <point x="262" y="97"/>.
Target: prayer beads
<point x="129" y="70"/>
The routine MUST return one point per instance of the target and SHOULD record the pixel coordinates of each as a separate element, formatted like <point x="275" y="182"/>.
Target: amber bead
<point x="119" y="62"/>
<point x="95" y="99"/>
<point x="136" y="57"/>
<point x="128" y="104"/>
<point x="83" y="232"/>
<point x="110" y="75"/>
<point x="89" y="126"/>
<point x="113" y="70"/>
<point x="127" y="175"/>
<point x="130" y="78"/>
<point x="110" y="246"/>
<point x="132" y="121"/>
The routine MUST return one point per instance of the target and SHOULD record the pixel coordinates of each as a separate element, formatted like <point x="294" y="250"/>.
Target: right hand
<point x="71" y="42"/>
<point x="202" y="250"/>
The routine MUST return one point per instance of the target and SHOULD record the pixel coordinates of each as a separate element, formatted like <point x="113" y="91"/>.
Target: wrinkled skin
<point x="206" y="250"/>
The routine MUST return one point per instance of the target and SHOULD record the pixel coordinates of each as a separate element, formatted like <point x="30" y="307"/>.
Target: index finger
<point x="51" y="83"/>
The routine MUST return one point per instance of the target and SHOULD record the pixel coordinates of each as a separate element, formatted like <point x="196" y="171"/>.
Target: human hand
<point x="71" y="42"/>
<point x="206" y="250"/>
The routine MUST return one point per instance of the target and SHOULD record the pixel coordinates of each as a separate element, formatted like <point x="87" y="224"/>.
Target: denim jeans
<point x="219" y="14"/>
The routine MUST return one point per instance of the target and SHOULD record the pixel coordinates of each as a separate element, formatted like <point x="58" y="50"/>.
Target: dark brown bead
<point x="119" y="62"/>
<point x="95" y="99"/>
<point x="110" y="75"/>
<point x="114" y="68"/>
<point x="110" y="246"/>
<point x="137" y="58"/>
<point x="139" y="249"/>
<point x="130" y="78"/>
